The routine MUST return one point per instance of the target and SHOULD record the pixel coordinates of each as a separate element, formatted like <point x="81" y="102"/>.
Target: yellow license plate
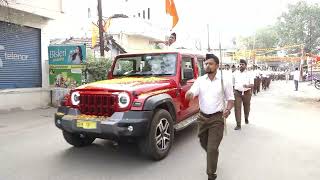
<point x="87" y="124"/>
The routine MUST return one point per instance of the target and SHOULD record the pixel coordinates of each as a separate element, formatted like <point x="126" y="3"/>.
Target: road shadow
<point x="102" y="153"/>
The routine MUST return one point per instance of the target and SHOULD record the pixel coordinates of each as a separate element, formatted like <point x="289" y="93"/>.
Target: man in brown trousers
<point x="242" y="93"/>
<point x="212" y="96"/>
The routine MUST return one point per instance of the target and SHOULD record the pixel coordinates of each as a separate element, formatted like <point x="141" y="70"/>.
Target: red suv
<point x="143" y="99"/>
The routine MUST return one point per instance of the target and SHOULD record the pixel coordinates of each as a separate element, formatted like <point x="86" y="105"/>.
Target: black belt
<point x="210" y="115"/>
<point x="242" y="91"/>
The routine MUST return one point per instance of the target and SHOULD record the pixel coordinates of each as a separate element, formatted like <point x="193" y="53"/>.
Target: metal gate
<point x="20" y="56"/>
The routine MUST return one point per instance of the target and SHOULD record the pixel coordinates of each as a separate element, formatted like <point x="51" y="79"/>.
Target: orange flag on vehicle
<point x="172" y="11"/>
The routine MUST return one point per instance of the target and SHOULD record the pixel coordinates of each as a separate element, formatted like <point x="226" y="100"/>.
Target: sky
<point x="226" y="18"/>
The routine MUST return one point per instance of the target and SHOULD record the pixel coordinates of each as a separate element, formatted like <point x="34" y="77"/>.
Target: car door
<point x="187" y="108"/>
<point x="200" y="63"/>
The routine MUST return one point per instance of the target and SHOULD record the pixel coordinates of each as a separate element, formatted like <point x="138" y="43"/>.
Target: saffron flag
<point x="107" y="25"/>
<point x="95" y="34"/>
<point x="172" y="11"/>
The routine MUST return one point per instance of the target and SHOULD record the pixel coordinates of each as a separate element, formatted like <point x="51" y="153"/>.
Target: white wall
<point x="45" y="8"/>
<point x="26" y="99"/>
<point x="138" y="43"/>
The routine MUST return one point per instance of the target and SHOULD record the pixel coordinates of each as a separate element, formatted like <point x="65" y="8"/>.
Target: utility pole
<point x="209" y="49"/>
<point x="310" y="46"/>
<point x="101" y="40"/>
<point x="222" y="84"/>
<point x="253" y="49"/>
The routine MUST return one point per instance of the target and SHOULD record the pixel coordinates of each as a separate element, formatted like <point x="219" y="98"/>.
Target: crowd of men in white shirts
<point x="262" y="77"/>
<point x="247" y="81"/>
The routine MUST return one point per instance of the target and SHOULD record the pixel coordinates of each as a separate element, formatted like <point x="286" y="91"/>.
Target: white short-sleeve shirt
<point x="241" y="79"/>
<point x="210" y="93"/>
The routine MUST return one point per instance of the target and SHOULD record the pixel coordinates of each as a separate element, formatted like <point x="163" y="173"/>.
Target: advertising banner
<point x="67" y="54"/>
<point x="65" y="78"/>
<point x="66" y="64"/>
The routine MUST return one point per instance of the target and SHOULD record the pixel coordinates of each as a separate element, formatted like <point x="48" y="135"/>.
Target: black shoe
<point x="247" y="121"/>
<point x="237" y="128"/>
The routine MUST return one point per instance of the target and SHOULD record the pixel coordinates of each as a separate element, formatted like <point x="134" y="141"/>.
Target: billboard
<point x="67" y="54"/>
<point x="313" y="64"/>
<point x="65" y="78"/>
<point x="66" y="64"/>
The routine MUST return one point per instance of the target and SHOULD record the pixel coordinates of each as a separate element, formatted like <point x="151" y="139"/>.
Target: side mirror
<point x="188" y="74"/>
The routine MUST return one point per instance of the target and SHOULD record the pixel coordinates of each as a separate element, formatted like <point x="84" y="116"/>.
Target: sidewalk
<point x="306" y="92"/>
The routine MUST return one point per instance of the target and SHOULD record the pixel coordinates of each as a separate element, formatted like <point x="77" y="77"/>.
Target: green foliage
<point x="97" y="68"/>
<point x="264" y="38"/>
<point x="300" y="25"/>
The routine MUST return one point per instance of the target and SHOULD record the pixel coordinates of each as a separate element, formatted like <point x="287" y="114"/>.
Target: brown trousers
<point x="255" y="86"/>
<point x="239" y="100"/>
<point x="259" y="84"/>
<point x="210" y="135"/>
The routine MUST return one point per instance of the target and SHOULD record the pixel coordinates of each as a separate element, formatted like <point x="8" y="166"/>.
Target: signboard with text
<point x="66" y="64"/>
<point x="67" y="54"/>
<point x="20" y="56"/>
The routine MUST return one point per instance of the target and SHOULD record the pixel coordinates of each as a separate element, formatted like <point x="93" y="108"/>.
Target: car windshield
<point x="146" y="65"/>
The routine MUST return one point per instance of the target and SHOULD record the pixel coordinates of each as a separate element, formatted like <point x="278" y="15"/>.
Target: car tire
<point x="78" y="140"/>
<point x="159" y="139"/>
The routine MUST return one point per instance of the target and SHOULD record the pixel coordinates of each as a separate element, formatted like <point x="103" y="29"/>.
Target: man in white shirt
<point x="296" y="78"/>
<point x="212" y="96"/>
<point x="242" y="93"/>
<point x="226" y="74"/>
<point x="169" y="44"/>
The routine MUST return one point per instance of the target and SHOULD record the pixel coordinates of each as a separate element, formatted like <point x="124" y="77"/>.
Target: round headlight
<point x="75" y="98"/>
<point x="124" y="100"/>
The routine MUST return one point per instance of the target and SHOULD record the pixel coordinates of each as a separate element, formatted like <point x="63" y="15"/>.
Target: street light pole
<point x="101" y="40"/>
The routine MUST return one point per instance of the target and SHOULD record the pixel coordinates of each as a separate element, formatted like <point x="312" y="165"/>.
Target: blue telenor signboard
<point x="20" y="56"/>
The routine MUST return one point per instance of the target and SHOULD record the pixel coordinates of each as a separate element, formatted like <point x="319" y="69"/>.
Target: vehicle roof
<point x="186" y="52"/>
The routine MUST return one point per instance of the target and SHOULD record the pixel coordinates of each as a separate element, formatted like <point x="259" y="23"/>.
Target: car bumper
<point x="120" y="124"/>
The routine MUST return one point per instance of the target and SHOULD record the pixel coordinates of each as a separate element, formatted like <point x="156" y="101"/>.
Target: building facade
<point x="23" y="53"/>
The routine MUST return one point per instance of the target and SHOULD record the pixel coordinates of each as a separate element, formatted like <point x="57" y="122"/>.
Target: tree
<point x="96" y="68"/>
<point x="300" y="25"/>
<point x="264" y="38"/>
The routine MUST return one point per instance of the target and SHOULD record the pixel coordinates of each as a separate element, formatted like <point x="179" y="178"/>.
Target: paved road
<point x="281" y="142"/>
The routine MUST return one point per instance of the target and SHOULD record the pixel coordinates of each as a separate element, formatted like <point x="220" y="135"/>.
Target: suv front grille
<point x="99" y="105"/>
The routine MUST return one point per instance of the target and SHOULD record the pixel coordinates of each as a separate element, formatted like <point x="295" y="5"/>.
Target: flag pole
<point x="222" y="86"/>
